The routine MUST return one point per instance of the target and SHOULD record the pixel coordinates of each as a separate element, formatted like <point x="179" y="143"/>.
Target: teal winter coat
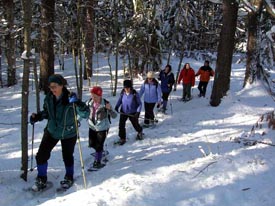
<point x="61" y="116"/>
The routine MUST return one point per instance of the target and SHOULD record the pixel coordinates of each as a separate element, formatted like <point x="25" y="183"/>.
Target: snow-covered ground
<point x="191" y="157"/>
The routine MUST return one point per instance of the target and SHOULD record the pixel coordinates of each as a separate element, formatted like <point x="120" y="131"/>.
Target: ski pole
<point x="170" y="99"/>
<point x="130" y="115"/>
<point x="79" y="147"/>
<point x="32" y="148"/>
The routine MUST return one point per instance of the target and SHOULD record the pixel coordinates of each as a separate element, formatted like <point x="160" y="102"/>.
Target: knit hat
<point x="150" y="75"/>
<point x="58" y="79"/>
<point x="96" y="90"/>
<point x="127" y="83"/>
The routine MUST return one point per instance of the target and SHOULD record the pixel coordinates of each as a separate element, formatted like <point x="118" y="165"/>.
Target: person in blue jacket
<point x="130" y="106"/>
<point x="152" y="96"/>
<point x="167" y="81"/>
<point x="60" y="109"/>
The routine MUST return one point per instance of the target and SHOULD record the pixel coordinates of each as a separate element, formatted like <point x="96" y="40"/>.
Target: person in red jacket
<point x="187" y="76"/>
<point x="205" y="72"/>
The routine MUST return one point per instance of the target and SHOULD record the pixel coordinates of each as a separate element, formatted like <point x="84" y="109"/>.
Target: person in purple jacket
<point x="130" y="106"/>
<point x="152" y="96"/>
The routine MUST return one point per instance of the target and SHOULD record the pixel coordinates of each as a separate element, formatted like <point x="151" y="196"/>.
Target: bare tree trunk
<point x="89" y="39"/>
<point x="27" y="16"/>
<point x="252" y="53"/>
<point x="1" y="80"/>
<point x="47" y="42"/>
<point x="116" y="27"/>
<point x="178" y="72"/>
<point x="10" y="39"/>
<point x="225" y="52"/>
<point x="36" y="86"/>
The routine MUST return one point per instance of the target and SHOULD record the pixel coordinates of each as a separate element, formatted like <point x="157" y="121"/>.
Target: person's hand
<point x="34" y="118"/>
<point x="108" y="106"/>
<point x="116" y="109"/>
<point x="73" y="98"/>
<point x="159" y="104"/>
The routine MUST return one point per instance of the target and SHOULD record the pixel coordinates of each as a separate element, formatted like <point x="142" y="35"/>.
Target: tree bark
<point x="27" y="16"/>
<point x="89" y="38"/>
<point x="252" y="54"/>
<point x="47" y="42"/>
<point x="225" y="52"/>
<point x="10" y="40"/>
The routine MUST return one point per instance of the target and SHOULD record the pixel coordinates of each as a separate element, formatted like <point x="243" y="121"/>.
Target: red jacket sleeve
<point x="181" y="76"/>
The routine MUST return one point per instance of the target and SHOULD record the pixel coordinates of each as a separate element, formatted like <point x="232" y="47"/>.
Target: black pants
<point x="165" y="96"/>
<point x="149" y="112"/>
<point x="186" y="91"/>
<point x="122" y="123"/>
<point x="97" y="139"/>
<point x="47" y="145"/>
<point x="202" y="88"/>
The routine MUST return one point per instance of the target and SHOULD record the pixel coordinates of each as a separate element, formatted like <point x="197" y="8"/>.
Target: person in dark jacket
<point x="99" y="123"/>
<point x="167" y="79"/>
<point x="60" y="109"/>
<point x="187" y="76"/>
<point x="130" y="107"/>
<point x="205" y="72"/>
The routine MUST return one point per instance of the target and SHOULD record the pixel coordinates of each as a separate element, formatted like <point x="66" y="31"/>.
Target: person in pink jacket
<point x="187" y="76"/>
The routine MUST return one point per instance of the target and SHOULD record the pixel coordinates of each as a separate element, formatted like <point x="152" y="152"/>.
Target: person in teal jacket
<point x="60" y="109"/>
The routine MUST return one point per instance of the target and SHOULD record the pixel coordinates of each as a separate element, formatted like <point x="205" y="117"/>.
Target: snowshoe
<point x="67" y="182"/>
<point x="96" y="166"/>
<point x="120" y="142"/>
<point x="40" y="184"/>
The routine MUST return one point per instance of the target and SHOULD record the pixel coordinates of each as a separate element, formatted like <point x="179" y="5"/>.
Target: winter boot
<point x="67" y="182"/>
<point x="40" y="183"/>
<point x="98" y="164"/>
<point x="121" y="142"/>
<point x="139" y="136"/>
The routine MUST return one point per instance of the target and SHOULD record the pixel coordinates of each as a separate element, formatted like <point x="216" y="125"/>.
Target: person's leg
<point x="150" y="112"/>
<point x="147" y="113"/>
<point x="121" y="128"/>
<point x="188" y="91"/>
<point x="68" y="146"/>
<point x="200" y="88"/>
<point x="204" y="88"/>
<point x="101" y="136"/>
<point x="136" y="126"/>
<point x="43" y="154"/>
<point x="92" y="138"/>
<point x="165" y="100"/>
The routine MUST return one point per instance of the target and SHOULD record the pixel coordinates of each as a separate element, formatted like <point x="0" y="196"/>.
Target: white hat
<point x="150" y="75"/>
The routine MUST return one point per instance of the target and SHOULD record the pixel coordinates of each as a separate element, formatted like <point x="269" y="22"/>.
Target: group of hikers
<point x="61" y="108"/>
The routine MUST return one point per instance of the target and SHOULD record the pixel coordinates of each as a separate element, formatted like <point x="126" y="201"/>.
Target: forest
<point x="139" y="33"/>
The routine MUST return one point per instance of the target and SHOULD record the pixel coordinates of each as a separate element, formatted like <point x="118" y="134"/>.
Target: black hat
<point x="127" y="83"/>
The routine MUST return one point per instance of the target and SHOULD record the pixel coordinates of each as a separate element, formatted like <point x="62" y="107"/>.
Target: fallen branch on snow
<point x="204" y="168"/>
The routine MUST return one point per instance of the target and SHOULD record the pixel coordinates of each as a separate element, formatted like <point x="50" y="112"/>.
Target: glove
<point x="73" y="98"/>
<point x="34" y="118"/>
<point x="137" y="115"/>
<point x="158" y="105"/>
